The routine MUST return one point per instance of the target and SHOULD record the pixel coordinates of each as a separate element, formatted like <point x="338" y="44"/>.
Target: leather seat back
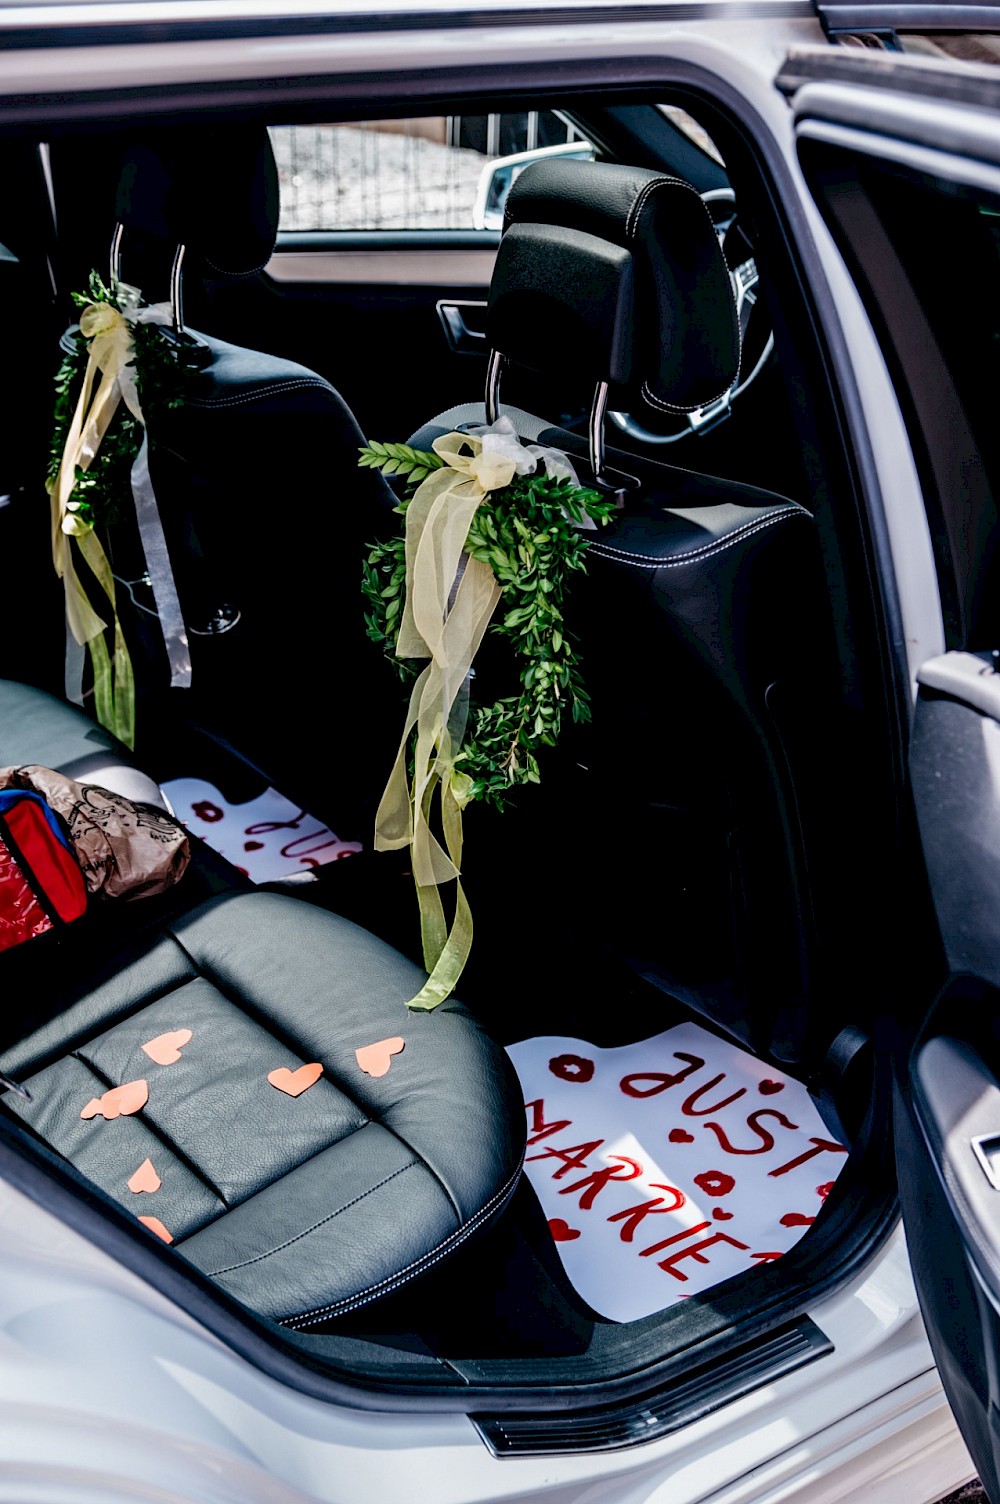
<point x="265" y="511"/>
<point x="704" y="625"/>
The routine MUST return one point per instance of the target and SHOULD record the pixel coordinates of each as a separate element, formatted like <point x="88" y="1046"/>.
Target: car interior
<point x="715" y="848"/>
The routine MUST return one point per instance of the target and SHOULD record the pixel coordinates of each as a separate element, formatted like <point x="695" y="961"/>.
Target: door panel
<point x="918" y="227"/>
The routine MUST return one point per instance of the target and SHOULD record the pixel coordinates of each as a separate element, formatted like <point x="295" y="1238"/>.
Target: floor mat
<point x="268" y="838"/>
<point x="667" y="1166"/>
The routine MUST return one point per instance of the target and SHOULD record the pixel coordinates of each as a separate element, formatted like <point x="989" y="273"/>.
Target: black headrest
<point x="560" y="298"/>
<point x="218" y="197"/>
<point x="686" y="335"/>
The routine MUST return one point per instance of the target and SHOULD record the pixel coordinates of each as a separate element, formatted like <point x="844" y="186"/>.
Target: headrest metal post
<point x="116" y="254"/>
<point x="493" y="371"/>
<point x="177" y="289"/>
<point x="595" y="432"/>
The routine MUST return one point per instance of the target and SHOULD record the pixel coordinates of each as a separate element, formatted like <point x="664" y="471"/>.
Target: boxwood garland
<point x="528" y="533"/>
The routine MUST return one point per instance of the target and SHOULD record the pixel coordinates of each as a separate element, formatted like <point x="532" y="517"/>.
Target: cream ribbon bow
<point x="449" y="601"/>
<point x="109" y="378"/>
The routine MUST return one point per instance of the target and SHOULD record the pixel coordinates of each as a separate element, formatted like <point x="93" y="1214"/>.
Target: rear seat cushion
<point x="302" y="1207"/>
<point x="35" y="727"/>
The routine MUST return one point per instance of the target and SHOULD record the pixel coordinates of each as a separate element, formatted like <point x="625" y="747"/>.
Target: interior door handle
<point x="464" y="326"/>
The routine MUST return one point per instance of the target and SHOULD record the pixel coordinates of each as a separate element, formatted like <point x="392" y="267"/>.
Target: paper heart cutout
<point x="561" y="1231"/>
<point x="145" y="1178"/>
<point x="165" y="1049"/>
<point x="768" y="1088"/>
<point x="681" y="1136"/>
<point x="375" y="1059"/>
<point x="796" y="1219"/>
<point x="120" y="1101"/>
<point x="155" y="1225"/>
<point x="294" y="1083"/>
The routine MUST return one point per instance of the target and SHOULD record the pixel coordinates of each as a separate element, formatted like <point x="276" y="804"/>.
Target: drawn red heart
<point x="294" y="1083"/>
<point x="165" y="1048"/>
<point x="561" y="1231"/>
<point x="796" y="1219"/>
<point x="720" y="1215"/>
<point x="145" y="1178"/>
<point x="824" y="1190"/>
<point x="207" y="811"/>
<point x="714" y="1182"/>
<point x="768" y="1088"/>
<point x="572" y="1067"/>
<point x="681" y="1136"/>
<point x="375" y="1059"/>
<point x="253" y="845"/>
<point x="155" y="1225"/>
<point x="120" y="1101"/>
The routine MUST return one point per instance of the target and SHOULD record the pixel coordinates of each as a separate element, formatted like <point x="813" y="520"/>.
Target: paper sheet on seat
<point x="268" y="838"/>
<point x="667" y="1166"/>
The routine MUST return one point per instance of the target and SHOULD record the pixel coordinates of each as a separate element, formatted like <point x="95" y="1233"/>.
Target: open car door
<point x="903" y="158"/>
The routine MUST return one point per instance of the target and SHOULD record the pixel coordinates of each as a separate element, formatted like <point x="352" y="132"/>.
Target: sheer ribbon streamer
<point x="109" y="378"/>
<point x="449" y="601"/>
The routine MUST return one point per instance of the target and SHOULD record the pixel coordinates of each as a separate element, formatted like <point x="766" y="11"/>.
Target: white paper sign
<point x="667" y="1166"/>
<point x="268" y="838"/>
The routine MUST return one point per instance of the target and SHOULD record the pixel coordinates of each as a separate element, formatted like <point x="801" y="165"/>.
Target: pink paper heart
<point x="155" y="1225"/>
<point x="145" y="1178"/>
<point x="120" y="1101"/>
<point x="294" y="1083"/>
<point x="165" y="1049"/>
<point x="375" y="1059"/>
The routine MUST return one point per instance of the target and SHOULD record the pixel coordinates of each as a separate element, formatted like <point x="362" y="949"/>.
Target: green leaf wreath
<point x="102" y="494"/>
<point x="529" y="535"/>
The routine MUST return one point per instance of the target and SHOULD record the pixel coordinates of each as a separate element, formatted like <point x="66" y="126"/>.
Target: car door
<point x="903" y="158"/>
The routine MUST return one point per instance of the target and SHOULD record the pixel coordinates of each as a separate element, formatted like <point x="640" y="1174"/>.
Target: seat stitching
<point x="274" y="389"/>
<point x="156" y="1131"/>
<point x="308" y="1318"/>
<point x="307" y="1230"/>
<point x="630" y="227"/>
<point x="228" y="988"/>
<point x="708" y="550"/>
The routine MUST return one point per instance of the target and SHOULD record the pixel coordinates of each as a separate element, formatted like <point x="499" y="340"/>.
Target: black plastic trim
<point x="966" y="84"/>
<point x="904" y="15"/>
<point x="302" y="241"/>
<point x="613" y="1428"/>
<point x="28" y="31"/>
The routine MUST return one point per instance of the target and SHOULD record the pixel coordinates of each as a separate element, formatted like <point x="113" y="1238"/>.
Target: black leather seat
<point x="702" y="616"/>
<point x="265" y="511"/>
<point x="307" y="1206"/>
<point x="301" y="1206"/>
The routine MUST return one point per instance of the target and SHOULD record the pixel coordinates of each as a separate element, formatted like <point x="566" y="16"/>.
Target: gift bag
<point x="123" y="849"/>
<point x="41" y="884"/>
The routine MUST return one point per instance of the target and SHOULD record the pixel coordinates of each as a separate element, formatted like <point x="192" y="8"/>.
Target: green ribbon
<point x="450" y="599"/>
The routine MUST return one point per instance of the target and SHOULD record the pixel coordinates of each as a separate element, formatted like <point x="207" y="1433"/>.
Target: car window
<point x="425" y="173"/>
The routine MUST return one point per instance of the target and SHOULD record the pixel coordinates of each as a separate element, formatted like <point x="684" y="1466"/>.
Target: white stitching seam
<point x="709" y="550"/>
<point x="308" y="1318"/>
<point x="630" y="228"/>
<point x="273" y="390"/>
<point x="307" y="1230"/>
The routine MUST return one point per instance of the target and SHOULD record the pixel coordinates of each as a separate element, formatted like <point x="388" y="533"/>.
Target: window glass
<point x="427" y="173"/>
